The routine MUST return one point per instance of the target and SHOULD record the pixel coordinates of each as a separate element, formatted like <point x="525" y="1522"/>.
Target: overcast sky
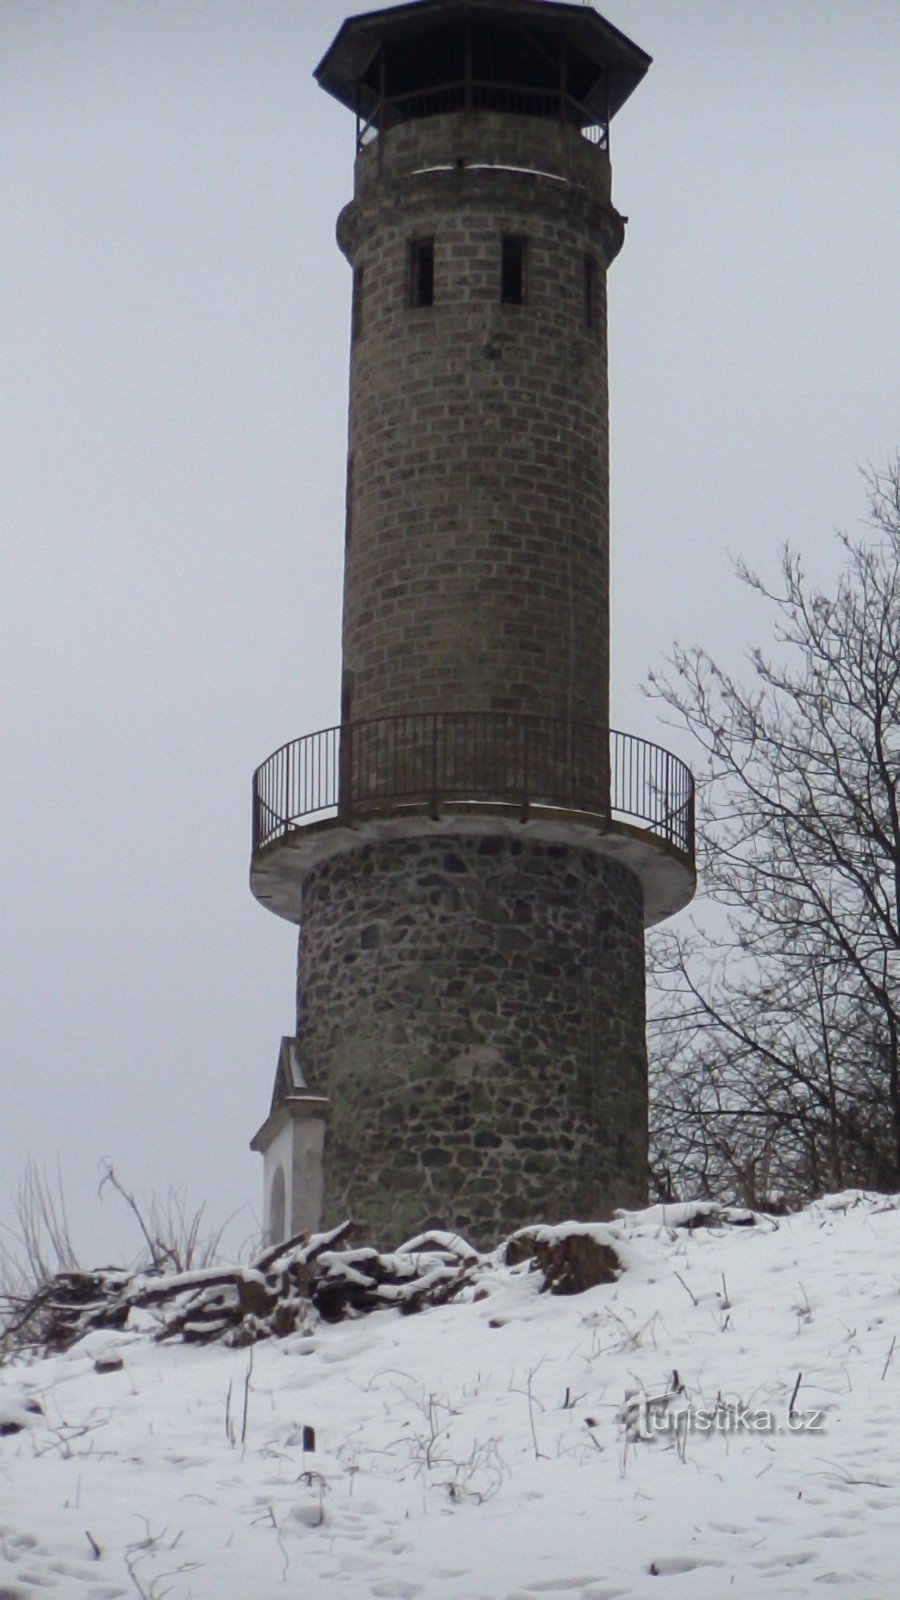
<point x="173" y="392"/>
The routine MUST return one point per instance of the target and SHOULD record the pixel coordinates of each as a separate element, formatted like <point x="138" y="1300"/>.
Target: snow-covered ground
<point x="498" y="1447"/>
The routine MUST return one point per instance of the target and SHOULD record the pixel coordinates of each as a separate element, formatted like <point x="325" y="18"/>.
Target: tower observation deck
<point x="473" y="854"/>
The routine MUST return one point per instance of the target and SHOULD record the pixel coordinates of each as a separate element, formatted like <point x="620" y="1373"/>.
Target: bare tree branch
<point x="775" y="1024"/>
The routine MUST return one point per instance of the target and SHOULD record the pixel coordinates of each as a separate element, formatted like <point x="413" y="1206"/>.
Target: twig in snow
<point x="269" y="1516"/>
<point x="794" y="1395"/>
<point x="130" y="1564"/>
<point x="285" y="1555"/>
<point x="686" y="1289"/>
<point x="890" y="1355"/>
<point x="246" y="1396"/>
<point x="153" y="1543"/>
<point x="537" y="1451"/>
<point x="804" y="1309"/>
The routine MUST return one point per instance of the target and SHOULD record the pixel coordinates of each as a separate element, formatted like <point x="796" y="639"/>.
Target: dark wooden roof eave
<point x="359" y="40"/>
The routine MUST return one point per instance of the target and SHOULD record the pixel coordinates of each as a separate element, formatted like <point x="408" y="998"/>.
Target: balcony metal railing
<point x="436" y="759"/>
<point x="477" y="95"/>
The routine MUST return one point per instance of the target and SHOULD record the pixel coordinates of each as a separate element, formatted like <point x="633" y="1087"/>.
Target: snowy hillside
<point x="720" y="1421"/>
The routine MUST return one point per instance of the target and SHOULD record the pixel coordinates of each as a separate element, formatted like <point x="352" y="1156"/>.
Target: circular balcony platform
<point x="445" y="773"/>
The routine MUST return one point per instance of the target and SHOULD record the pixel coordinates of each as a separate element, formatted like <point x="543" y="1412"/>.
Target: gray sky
<point x="173" y="392"/>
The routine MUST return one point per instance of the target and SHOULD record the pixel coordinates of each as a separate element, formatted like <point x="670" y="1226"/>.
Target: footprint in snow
<point x="345" y="1352"/>
<point x="311" y="1514"/>
<point x="673" y="1566"/>
<point x="560" y="1585"/>
<point x="602" y="1591"/>
<point x="391" y="1544"/>
<point x="347" y="1565"/>
<point x="784" y="1562"/>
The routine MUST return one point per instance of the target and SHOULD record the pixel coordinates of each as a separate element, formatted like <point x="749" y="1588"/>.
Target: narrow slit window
<point x="356" y="314"/>
<point x="512" y="270"/>
<point x="421" y="272"/>
<point x="590" y="291"/>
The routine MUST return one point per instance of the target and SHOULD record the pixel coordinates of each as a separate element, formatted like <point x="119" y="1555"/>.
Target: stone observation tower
<point x="472" y="855"/>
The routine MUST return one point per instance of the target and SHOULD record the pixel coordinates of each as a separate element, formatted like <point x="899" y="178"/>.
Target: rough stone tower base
<point x="474" y="1010"/>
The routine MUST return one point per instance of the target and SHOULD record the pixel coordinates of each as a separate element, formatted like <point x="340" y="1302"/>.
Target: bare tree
<point x="176" y="1238"/>
<point x="775" y="1035"/>
<point x="36" y="1247"/>
<point x="37" y="1242"/>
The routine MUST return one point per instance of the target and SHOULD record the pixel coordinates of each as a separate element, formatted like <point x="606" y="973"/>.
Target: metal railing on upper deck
<point x="469" y="758"/>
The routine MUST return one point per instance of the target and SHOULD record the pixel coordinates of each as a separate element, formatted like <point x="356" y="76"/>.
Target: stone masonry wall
<point x="478" y="517"/>
<point x="474" y="1007"/>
